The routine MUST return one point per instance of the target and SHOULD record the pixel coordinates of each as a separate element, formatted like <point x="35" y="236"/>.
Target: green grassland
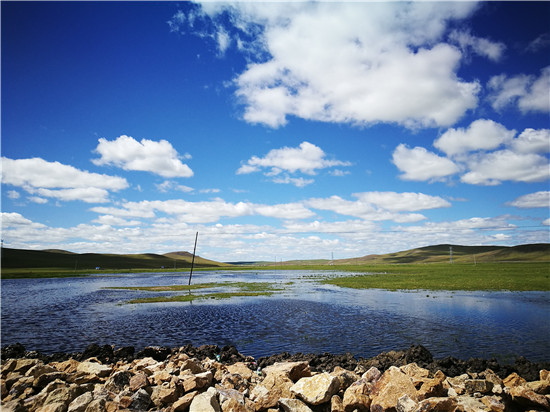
<point x="513" y="276"/>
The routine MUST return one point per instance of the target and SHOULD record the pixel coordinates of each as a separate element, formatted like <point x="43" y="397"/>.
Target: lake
<point x="67" y="314"/>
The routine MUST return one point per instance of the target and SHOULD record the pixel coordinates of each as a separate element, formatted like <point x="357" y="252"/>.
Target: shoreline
<point x="213" y="379"/>
<point x="321" y="362"/>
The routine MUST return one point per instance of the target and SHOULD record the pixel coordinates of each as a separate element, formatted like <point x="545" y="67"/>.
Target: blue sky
<point x="277" y="131"/>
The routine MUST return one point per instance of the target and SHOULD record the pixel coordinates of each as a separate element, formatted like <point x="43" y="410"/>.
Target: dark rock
<point x="126" y="353"/>
<point x="158" y="353"/>
<point x="104" y="353"/>
<point x="14" y="351"/>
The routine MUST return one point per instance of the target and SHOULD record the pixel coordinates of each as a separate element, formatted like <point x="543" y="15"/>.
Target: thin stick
<point x="193" y="260"/>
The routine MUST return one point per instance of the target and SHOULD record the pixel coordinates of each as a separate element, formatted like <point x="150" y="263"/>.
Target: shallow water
<point x="65" y="315"/>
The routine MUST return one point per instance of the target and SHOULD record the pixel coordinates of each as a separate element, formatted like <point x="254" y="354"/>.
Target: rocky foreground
<point x="208" y="378"/>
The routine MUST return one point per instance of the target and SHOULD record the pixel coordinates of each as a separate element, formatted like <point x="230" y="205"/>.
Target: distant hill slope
<point x="538" y="252"/>
<point x="60" y="259"/>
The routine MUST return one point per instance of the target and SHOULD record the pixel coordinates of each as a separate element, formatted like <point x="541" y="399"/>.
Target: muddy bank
<point x="418" y="354"/>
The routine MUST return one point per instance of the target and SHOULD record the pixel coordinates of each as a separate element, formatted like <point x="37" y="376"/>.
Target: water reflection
<point x="67" y="314"/>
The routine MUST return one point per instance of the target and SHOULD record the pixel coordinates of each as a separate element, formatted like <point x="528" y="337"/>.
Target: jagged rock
<point x="138" y="381"/>
<point x="92" y="368"/>
<point x="513" y="380"/>
<point x="478" y="385"/>
<point x="389" y="388"/>
<point x="182" y="404"/>
<point x="140" y="400"/>
<point x="317" y="389"/>
<point x="68" y="366"/>
<point x="437" y="405"/>
<point x="40" y="369"/>
<point x="63" y="395"/>
<point x="357" y="396"/>
<point x="240" y="368"/>
<point x="405" y="404"/>
<point x="416" y="373"/>
<point x="372" y="375"/>
<point x="97" y="405"/>
<point x="336" y="404"/>
<point x="44" y="379"/>
<point x="345" y="377"/>
<point x="14" y="406"/>
<point x="117" y="381"/>
<point x="53" y="407"/>
<point x="163" y="395"/>
<point x="198" y="381"/>
<point x="23" y="365"/>
<point x="205" y="402"/>
<point x="493" y="403"/>
<point x="293" y="405"/>
<point x="80" y="403"/>
<point x="544" y="375"/>
<point x="235" y="381"/>
<point x="194" y="366"/>
<point x="432" y="388"/>
<point x="158" y="353"/>
<point x="458" y="383"/>
<point x="274" y="387"/>
<point x="528" y="398"/>
<point x="293" y="370"/>
<point x="469" y="404"/>
<point x="232" y="400"/>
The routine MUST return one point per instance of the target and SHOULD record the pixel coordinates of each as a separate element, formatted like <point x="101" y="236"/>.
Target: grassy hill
<point x="19" y="259"/>
<point x="539" y="252"/>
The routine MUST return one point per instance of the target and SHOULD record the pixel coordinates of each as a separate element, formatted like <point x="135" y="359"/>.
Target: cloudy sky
<point x="276" y="130"/>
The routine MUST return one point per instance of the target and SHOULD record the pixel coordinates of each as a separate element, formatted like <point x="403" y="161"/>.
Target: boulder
<point x="478" y="385"/>
<point x="240" y="368"/>
<point x="164" y="395"/>
<point x="205" y="402"/>
<point x="192" y="365"/>
<point x="182" y="404"/>
<point x="316" y="389"/>
<point x="405" y="404"/>
<point x="345" y="377"/>
<point x="513" y="380"/>
<point x="293" y="370"/>
<point x="493" y="403"/>
<point x="138" y="381"/>
<point x="336" y="404"/>
<point x="140" y="400"/>
<point x="293" y="405"/>
<point x="97" y="405"/>
<point x="92" y="368"/>
<point x="432" y="388"/>
<point x="357" y="396"/>
<point x="529" y="399"/>
<point x="437" y="405"/>
<point x="198" y="381"/>
<point x="232" y="400"/>
<point x="389" y="388"/>
<point x="270" y="390"/>
<point x="80" y="403"/>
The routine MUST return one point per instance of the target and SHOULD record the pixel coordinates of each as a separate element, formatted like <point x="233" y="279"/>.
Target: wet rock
<point x="158" y="353"/>
<point x="317" y="389"/>
<point x="103" y="353"/>
<point x="389" y="388"/>
<point x="205" y="402"/>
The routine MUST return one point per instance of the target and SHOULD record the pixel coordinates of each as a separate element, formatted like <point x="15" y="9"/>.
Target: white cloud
<point x="307" y="158"/>
<point x="532" y="141"/>
<point x="115" y="221"/>
<point x="537" y="199"/>
<point x="387" y="63"/>
<point x="483" y="47"/>
<point x="420" y="164"/>
<point x="37" y="199"/>
<point x="12" y="219"/>
<point x="546" y="222"/>
<point x="212" y="190"/>
<point x="147" y="156"/>
<point x="206" y="211"/>
<point x="378" y="206"/>
<point x="13" y="194"/>
<point x="56" y="180"/>
<point x="528" y="92"/>
<point x="170" y="185"/>
<point x="493" y="168"/>
<point x="482" y="134"/>
<point x="520" y="160"/>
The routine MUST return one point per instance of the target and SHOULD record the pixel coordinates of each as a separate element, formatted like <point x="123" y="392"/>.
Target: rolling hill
<point x="63" y="260"/>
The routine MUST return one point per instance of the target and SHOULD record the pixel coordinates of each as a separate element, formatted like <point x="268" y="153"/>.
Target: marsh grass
<point x="191" y="298"/>
<point x="438" y="276"/>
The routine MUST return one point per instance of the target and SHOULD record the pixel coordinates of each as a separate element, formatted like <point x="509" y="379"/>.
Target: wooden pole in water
<point x="193" y="260"/>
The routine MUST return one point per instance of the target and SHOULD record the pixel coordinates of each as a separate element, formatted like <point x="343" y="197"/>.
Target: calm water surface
<point x="53" y="315"/>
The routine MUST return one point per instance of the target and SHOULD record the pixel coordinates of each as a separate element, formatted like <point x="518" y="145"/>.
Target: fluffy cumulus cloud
<point x="147" y="156"/>
<point x="420" y="164"/>
<point x="483" y="47"/>
<point x="307" y="158"/>
<point x="528" y="92"/>
<point x="471" y="153"/>
<point x="482" y="134"/>
<point x="388" y="63"/>
<point x="537" y="199"/>
<point x="45" y="179"/>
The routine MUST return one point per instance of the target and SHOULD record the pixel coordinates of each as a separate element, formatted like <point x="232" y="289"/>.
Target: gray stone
<point x="80" y="403"/>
